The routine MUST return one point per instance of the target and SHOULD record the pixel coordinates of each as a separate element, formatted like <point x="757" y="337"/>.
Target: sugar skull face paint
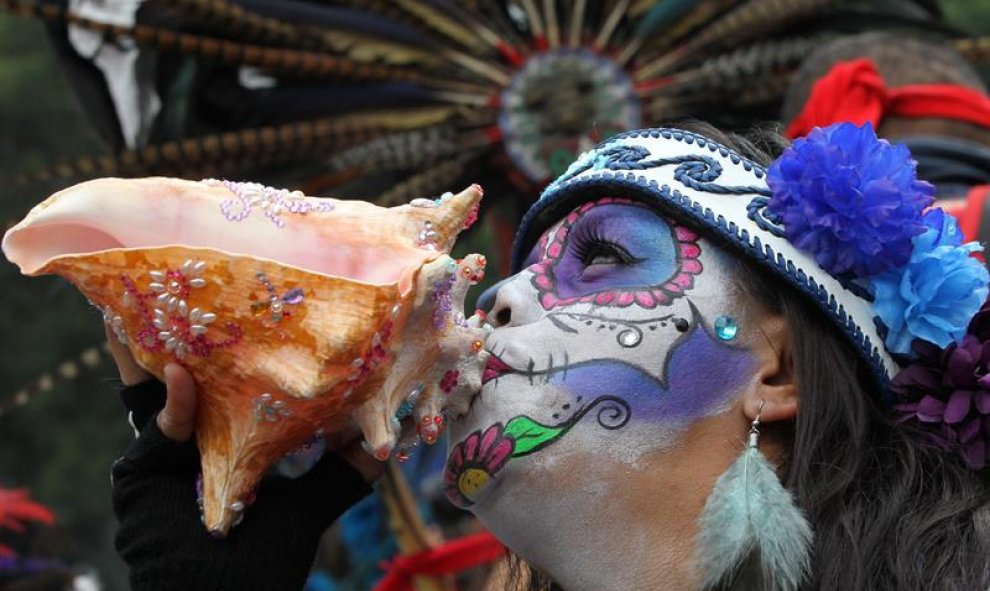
<point x="605" y="352"/>
<point x="656" y="263"/>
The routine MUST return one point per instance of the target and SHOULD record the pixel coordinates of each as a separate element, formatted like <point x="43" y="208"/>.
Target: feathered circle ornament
<point x="748" y="511"/>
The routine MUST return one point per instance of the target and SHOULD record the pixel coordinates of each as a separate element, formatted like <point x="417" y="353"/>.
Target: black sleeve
<point x="166" y="546"/>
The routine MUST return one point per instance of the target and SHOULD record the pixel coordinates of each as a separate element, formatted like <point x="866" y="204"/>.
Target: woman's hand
<point x="177" y="420"/>
<point x="130" y="372"/>
<point x="161" y="536"/>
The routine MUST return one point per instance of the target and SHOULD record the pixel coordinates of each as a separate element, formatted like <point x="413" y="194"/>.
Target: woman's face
<point x="620" y="334"/>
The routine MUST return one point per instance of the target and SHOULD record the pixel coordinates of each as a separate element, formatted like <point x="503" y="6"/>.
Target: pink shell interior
<point x="144" y="213"/>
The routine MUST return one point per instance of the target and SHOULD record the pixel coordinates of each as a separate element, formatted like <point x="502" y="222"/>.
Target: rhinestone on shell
<point x="171" y="289"/>
<point x="273" y="202"/>
<point x="116" y="324"/>
<point x="172" y="334"/>
<point x="428" y="237"/>
<point x="266" y="408"/>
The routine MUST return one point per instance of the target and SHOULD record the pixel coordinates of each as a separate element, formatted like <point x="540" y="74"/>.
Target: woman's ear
<point x="775" y="387"/>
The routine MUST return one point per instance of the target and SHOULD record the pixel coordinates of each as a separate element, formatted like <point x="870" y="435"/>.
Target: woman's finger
<point x="130" y="372"/>
<point x="178" y="419"/>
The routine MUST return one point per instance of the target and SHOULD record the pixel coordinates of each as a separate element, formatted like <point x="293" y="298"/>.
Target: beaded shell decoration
<point x="309" y="315"/>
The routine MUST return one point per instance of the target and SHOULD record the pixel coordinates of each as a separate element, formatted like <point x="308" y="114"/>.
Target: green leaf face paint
<point x="530" y="435"/>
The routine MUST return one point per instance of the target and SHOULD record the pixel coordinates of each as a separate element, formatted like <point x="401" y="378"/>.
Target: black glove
<point x="164" y="542"/>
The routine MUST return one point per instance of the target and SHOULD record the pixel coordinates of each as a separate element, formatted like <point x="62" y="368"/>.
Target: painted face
<point x="619" y="334"/>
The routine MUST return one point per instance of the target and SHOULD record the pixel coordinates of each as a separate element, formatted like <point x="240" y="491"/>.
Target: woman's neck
<point x="617" y="521"/>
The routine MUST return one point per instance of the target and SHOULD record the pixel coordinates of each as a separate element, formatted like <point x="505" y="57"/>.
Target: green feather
<point x="663" y="14"/>
<point x="749" y="511"/>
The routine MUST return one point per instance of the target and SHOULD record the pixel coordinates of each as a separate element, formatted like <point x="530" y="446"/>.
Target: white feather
<point x="750" y="510"/>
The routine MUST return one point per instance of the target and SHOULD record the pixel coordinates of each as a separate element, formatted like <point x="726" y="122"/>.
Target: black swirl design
<point x="613" y="412"/>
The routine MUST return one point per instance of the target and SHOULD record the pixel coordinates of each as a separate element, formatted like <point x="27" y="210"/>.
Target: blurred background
<point x="61" y="423"/>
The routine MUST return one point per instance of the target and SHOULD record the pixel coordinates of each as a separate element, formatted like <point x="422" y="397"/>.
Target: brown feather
<point x="431" y="181"/>
<point x="177" y="157"/>
<point x="696" y="18"/>
<point x="727" y="74"/>
<point x="287" y="62"/>
<point x="975" y="50"/>
<point x="753" y="19"/>
<point x="445" y="25"/>
<point x="747" y="21"/>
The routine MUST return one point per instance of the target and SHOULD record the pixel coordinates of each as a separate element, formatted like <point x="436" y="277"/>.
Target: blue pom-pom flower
<point x="936" y="294"/>
<point x="850" y="199"/>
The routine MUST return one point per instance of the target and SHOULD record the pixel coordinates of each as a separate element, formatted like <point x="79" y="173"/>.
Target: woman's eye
<point x="606" y="253"/>
<point x="604" y="259"/>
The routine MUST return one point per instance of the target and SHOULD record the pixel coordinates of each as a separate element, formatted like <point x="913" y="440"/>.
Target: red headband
<point x="854" y="91"/>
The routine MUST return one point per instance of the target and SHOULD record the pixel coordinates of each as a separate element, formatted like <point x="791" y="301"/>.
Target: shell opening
<point x="356" y="241"/>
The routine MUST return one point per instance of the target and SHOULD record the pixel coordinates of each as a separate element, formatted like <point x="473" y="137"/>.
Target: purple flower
<point x="935" y="295"/>
<point x="849" y="198"/>
<point x="948" y="392"/>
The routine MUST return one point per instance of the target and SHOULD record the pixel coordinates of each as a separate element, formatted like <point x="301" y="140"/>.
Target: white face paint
<point x="606" y="351"/>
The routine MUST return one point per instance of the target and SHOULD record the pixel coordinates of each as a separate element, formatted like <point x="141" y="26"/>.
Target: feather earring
<point x="749" y="510"/>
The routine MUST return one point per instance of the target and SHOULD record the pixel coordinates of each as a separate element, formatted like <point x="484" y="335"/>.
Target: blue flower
<point x="936" y="294"/>
<point x="941" y="229"/>
<point x="850" y="199"/>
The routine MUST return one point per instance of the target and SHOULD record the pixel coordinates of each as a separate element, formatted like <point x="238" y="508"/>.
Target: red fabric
<point x="17" y="508"/>
<point x="450" y="558"/>
<point x="854" y="91"/>
<point x="971" y="213"/>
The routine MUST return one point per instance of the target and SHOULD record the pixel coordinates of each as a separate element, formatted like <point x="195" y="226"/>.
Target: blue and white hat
<point x="841" y="215"/>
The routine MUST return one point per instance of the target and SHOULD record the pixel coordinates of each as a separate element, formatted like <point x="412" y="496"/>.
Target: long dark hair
<point x="890" y="512"/>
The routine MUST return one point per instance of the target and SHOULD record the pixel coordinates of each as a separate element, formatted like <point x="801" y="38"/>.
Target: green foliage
<point x="971" y="16"/>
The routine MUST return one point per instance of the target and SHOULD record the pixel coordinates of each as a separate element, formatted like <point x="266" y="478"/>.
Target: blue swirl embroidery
<point x="695" y="171"/>
<point x="766" y="219"/>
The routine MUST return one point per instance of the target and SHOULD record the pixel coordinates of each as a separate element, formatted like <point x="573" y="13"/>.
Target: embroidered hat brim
<point x="723" y="195"/>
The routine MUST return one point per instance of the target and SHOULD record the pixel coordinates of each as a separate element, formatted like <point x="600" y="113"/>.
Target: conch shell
<point x="293" y="314"/>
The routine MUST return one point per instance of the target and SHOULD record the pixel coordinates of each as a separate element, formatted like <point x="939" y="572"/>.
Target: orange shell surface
<point x="277" y="352"/>
<point x="303" y="361"/>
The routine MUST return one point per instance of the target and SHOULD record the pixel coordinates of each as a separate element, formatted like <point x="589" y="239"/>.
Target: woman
<point x="674" y="331"/>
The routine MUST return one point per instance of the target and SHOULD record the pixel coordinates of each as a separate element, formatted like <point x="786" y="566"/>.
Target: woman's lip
<point x="494" y="369"/>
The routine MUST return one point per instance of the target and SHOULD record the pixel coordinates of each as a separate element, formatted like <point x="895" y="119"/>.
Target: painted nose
<point x="511" y="302"/>
<point x="487" y="302"/>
